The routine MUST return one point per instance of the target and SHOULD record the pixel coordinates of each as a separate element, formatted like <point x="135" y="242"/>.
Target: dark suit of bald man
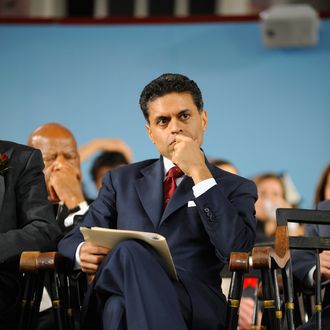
<point x="26" y="221"/>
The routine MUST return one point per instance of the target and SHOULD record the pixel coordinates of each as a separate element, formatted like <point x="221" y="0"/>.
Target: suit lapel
<point x="184" y="193"/>
<point x="181" y="196"/>
<point x="150" y="190"/>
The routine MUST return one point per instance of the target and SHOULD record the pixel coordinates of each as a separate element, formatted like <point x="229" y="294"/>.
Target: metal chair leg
<point x="268" y="304"/>
<point x="278" y="307"/>
<point x="288" y="295"/>
<point x="318" y="299"/>
<point x="239" y="265"/>
<point x="57" y="301"/>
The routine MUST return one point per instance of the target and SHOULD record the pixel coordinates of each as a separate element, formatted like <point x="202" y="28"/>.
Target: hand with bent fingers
<point x="65" y="184"/>
<point x="91" y="257"/>
<point x="189" y="157"/>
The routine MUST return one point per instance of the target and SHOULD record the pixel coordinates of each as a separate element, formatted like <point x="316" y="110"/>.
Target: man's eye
<point x="49" y="158"/>
<point x="71" y="156"/>
<point x="162" y="121"/>
<point x="185" y="116"/>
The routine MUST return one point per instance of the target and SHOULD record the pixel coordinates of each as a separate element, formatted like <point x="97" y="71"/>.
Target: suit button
<point x="209" y="214"/>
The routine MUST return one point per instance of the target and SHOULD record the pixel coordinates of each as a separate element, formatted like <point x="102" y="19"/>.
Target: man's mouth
<point x="172" y="142"/>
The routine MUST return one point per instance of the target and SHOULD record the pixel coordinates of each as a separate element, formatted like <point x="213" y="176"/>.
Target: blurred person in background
<point x="90" y="148"/>
<point x="64" y="185"/>
<point x="322" y="191"/>
<point x="110" y="153"/>
<point x="106" y="161"/>
<point x="304" y="262"/>
<point x="62" y="171"/>
<point x="225" y="165"/>
<point x="271" y="195"/>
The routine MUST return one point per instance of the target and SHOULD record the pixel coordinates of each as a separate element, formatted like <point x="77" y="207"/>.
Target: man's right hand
<point x="188" y="156"/>
<point x="91" y="257"/>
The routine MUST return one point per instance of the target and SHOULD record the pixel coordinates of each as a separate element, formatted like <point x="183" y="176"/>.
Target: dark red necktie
<point x="169" y="185"/>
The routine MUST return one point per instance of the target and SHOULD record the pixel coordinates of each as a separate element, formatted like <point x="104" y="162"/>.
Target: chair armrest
<point x="35" y="261"/>
<point x="239" y="261"/>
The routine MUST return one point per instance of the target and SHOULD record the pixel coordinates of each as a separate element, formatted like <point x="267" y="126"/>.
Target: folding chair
<point x="66" y="290"/>
<point x="270" y="260"/>
<point x="316" y="244"/>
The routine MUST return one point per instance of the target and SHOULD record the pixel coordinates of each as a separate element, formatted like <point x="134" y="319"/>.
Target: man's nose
<point x="176" y="126"/>
<point x="58" y="162"/>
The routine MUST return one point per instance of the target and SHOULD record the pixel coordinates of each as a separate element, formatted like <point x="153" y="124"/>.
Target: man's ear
<point x="204" y="120"/>
<point x="150" y="133"/>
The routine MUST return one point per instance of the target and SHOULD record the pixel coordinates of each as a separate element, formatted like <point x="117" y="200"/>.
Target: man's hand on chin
<point x="190" y="158"/>
<point x="66" y="185"/>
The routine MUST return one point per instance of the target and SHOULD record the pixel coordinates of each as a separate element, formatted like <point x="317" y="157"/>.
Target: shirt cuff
<point x="201" y="187"/>
<point x="46" y="302"/>
<point x="310" y="277"/>
<point x="77" y="257"/>
<point x="83" y="207"/>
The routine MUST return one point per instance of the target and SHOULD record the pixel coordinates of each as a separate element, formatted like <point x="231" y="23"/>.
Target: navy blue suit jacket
<point x="200" y="238"/>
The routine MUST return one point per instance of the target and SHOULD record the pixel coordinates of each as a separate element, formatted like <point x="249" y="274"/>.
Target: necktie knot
<point x="174" y="172"/>
<point x="169" y="183"/>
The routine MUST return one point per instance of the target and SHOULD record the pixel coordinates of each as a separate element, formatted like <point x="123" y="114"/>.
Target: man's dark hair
<point x="169" y="83"/>
<point x="108" y="158"/>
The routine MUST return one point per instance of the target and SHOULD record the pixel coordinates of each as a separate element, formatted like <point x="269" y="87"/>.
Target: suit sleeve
<point x="304" y="260"/>
<point x="101" y="213"/>
<point x="229" y="220"/>
<point x="32" y="215"/>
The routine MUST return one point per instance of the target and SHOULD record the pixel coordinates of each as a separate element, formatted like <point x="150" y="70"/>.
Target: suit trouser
<point x="137" y="291"/>
<point x="46" y="320"/>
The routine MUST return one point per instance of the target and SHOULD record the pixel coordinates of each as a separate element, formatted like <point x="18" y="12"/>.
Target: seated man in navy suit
<point x="210" y="214"/>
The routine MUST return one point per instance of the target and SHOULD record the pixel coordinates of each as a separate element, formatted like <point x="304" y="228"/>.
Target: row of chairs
<point x="282" y="305"/>
<point x="277" y="297"/>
